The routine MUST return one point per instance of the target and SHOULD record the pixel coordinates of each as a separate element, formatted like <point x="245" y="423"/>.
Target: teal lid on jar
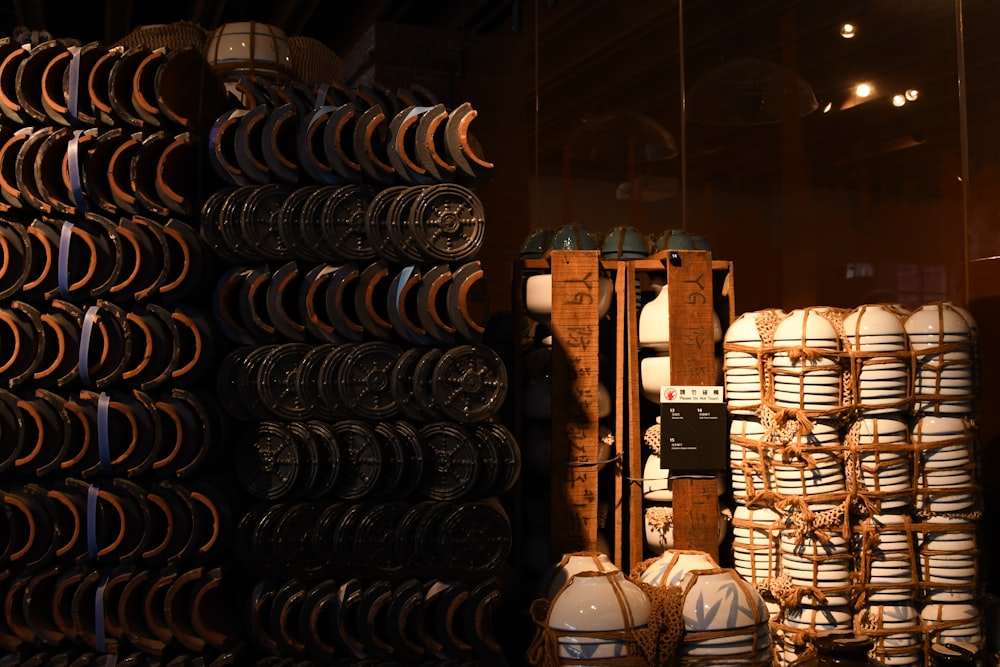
<point x="625" y="243"/>
<point x="572" y="237"/>
<point x="674" y="239"/>
<point x="535" y="244"/>
<point x="701" y="243"/>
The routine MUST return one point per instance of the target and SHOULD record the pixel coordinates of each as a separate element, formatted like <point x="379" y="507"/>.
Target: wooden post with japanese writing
<point x="632" y="441"/>
<point x="575" y="285"/>
<point x="625" y="314"/>
<point x="692" y="362"/>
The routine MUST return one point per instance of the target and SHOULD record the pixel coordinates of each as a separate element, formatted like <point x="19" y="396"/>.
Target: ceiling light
<point x="898" y="100"/>
<point x="848" y="31"/>
<point x="863" y="90"/>
<point x="826" y="109"/>
<point x="912" y="94"/>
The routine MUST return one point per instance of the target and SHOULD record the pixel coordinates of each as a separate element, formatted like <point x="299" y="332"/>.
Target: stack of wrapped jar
<point x="853" y="465"/>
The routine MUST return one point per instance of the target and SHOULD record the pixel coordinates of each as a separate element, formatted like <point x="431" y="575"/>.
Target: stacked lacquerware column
<point x="854" y="472"/>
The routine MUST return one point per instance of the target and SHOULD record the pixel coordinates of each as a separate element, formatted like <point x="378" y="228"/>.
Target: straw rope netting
<point x="758" y="619"/>
<point x="887" y="467"/>
<point x="875" y="550"/>
<point x="756" y="541"/>
<point x="906" y="637"/>
<point x="655" y="643"/>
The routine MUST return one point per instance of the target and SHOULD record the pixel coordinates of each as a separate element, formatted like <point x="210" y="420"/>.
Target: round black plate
<point x="469" y="383"/>
<point x="453" y="465"/>
<point x="360" y="458"/>
<point x="363" y="380"/>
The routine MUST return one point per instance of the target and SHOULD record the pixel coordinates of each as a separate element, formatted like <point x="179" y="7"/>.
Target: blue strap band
<point x="103" y="446"/>
<point x="99" y="630"/>
<point x="85" y="333"/>
<point x="73" y="100"/>
<point x="73" y="166"/>
<point x="321" y="91"/>
<point x="62" y="259"/>
<point x="397" y="297"/>
<point x="92" y="521"/>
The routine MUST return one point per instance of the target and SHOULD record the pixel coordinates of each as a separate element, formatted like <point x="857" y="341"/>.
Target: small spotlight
<point x="912" y="94"/>
<point x="848" y="31"/>
<point x="863" y="90"/>
<point x="826" y="109"/>
<point x="898" y="100"/>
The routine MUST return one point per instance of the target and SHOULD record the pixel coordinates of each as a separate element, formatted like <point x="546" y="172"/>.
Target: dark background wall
<point x="853" y="201"/>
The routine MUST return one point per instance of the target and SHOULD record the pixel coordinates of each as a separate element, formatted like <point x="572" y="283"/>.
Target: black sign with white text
<point x="693" y="429"/>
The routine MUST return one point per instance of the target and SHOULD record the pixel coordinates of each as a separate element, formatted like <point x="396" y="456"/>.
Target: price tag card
<point x="693" y="429"/>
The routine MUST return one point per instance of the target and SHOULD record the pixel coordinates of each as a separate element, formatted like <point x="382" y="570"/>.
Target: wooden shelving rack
<point x="698" y="286"/>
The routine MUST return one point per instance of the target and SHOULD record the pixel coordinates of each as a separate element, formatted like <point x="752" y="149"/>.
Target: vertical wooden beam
<point x="692" y="362"/>
<point x="633" y="444"/>
<point x="574" y="400"/>
<point x="799" y="254"/>
<point x="294" y="16"/>
<point x="30" y="14"/>
<point x="622" y="383"/>
<point x="117" y="19"/>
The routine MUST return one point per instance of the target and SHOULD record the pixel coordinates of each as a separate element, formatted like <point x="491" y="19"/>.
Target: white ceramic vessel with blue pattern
<point x="725" y="620"/>
<point x="599" y="602"/>
<point x="572" y="564"/>
<point x="720" y="600"/>
<point x="671" y="566"/>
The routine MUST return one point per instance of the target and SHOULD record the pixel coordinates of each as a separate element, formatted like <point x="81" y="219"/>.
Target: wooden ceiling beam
<point x="117" y="19"/>
<point x="30" y="13"/>
<point x="345" y="33"/>
<point x="207" y="13"/>
<point x="489" y="15"/>
<point x="297" y="22"/>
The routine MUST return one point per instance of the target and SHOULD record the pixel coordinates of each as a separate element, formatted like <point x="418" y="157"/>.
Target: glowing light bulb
<point x="848" y="31"/>
<point x="826" y="109"/>
<point x="898" y="100"/>
<point x="912" y="94"/>
<point x="863" y="90"/>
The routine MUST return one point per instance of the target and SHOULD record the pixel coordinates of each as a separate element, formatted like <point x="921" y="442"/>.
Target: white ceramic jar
<point x="654" y="323"/>
<point x="720" y="609"/>
<point x="572" y="564"/>
<point x="538" y="297"/>
<point x="671" y="566"/>
<point x="601" y="602"/>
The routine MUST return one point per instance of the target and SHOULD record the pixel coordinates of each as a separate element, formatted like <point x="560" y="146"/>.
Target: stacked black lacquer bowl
<point x="115" y="529"/>
<point x="354" y="302"/>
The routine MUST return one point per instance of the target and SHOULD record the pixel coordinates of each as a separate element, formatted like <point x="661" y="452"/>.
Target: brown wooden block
<point x="692" y="362"/>
<point x="575" y="277"/>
